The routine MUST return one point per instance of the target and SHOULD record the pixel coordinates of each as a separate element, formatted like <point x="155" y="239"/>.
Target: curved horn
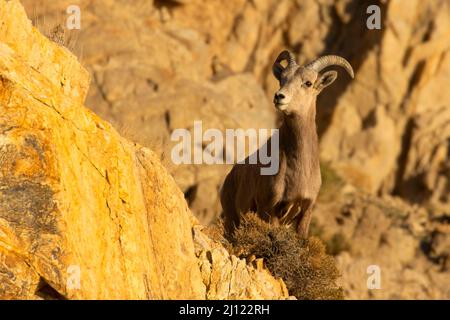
<point x="277" y="68"/>
<point x="325" y="61"/>
<point x="286" y="55"/>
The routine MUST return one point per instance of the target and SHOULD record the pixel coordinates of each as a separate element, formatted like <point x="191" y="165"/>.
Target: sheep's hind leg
<point x="230" y="215"/>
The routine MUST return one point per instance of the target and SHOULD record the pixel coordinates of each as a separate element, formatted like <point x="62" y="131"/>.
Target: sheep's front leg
<point x="305" y="219"/>
<point x="265" y="213"/>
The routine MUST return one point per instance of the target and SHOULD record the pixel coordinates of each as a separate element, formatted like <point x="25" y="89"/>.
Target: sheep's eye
<point x="308" y="84"/>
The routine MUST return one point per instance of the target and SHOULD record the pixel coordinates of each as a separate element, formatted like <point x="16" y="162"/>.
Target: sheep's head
<point x="300" y="85"/>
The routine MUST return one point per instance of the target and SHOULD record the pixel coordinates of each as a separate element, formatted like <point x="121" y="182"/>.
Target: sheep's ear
<point x="277" y="69"/>
<point x="325" y="79"/>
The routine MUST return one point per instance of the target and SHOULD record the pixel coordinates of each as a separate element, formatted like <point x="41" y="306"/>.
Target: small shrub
<point x="337" y="244"/>
<point x="331" y="183"/>
<point x="315" y="229"/>
<point x="334" y="245"/>
<point x="309" y="273"/>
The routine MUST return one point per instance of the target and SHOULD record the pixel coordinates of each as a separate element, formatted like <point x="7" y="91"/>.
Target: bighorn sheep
<point x="287" y="197"/>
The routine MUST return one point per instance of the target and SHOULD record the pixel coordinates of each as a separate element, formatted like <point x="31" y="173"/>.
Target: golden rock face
<point x="54" y="62"/>
<point x="76" y="196"/>
<point x="84" y="213"/>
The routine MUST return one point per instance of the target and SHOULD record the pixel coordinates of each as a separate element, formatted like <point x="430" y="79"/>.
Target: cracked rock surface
<point x="84" y="213"/>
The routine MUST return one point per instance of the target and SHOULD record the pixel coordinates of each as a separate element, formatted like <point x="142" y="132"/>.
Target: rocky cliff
<point x="159" y="65"/>
<point x="409" y="247"/>
<point x="85" y="213"/>
<point x="173" y="62"/>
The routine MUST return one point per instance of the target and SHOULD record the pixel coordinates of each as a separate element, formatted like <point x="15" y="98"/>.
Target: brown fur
<point x="286" y="198"/>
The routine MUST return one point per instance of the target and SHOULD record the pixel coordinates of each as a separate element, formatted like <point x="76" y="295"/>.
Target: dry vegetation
<point x="307" y="270"/>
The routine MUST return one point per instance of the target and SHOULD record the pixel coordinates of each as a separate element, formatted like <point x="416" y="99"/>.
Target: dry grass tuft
<point x="53" y="26"/>
<point x="309" y="273"/>
<point x="216" y="232"/>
